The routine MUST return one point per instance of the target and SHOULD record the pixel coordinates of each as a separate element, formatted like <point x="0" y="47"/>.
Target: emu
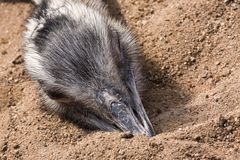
<point x="86" y="64"/>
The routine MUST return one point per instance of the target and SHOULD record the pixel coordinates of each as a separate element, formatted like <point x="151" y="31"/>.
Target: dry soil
<point x="192" y="62"/>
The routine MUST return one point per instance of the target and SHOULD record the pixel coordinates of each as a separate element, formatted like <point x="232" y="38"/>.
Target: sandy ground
<point x="192" y="61"/>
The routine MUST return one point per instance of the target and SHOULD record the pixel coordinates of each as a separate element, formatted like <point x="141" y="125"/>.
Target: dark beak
<point x="141" y="113"/>
<point x="138" y="108"/>
<point x="130" y="120"/>
<point x="130" y="117"/>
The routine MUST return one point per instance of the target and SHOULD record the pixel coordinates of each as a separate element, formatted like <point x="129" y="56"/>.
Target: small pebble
<point x="4" y="147"/>
<point x="227" y="1"/>
<point x="126" y="135"/>
<point x="218" y="63"/>
<point x="222" y="121"/>
<point x="192" y="59"/>
<point x="18" y="60"/>
<point x="16" y="146"/>
<point x="16" y="80"/>
<point x="229" y="128"/>
<point x="3" y="41"/>
<point x="4" y="52"/>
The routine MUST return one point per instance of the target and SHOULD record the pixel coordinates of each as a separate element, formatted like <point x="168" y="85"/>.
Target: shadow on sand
<point x="163" y="98"/>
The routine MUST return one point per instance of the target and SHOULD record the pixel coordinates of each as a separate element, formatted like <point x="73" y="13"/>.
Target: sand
<point x="191" y="52"/>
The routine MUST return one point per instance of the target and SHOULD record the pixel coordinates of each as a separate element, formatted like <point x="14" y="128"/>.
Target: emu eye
<point x="53" y="92"/>
<point x="56" y="95"/>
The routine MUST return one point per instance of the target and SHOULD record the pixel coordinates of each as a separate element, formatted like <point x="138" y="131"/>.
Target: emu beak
<point x="140" y="112"/>
<point x="133" y="120"/>
<point x="142" y="115"/>
<point x="127" y="117"/>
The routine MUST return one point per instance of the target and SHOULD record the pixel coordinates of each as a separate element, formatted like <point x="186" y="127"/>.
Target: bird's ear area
<point x="117" y="50"/>
<point x="54" y="92"/>
<point x="116" y="46"/>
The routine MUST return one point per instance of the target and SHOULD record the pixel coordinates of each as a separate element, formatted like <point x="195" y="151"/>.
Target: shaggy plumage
<point x="86" y="64"/>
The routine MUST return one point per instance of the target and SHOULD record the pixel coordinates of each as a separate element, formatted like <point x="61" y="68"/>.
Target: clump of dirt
<point x="192" y="64"/>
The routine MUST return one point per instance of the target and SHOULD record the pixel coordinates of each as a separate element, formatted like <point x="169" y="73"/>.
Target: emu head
<point x="88" y="68"/>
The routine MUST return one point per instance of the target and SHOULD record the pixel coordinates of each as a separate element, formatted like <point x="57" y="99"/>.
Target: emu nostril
<point x="118" y="109"/>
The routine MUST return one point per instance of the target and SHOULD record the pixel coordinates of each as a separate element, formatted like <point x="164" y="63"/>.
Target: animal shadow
<point x="163" y="98"/>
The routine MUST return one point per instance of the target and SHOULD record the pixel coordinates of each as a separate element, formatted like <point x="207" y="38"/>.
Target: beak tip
<point x="150" y="133"/>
